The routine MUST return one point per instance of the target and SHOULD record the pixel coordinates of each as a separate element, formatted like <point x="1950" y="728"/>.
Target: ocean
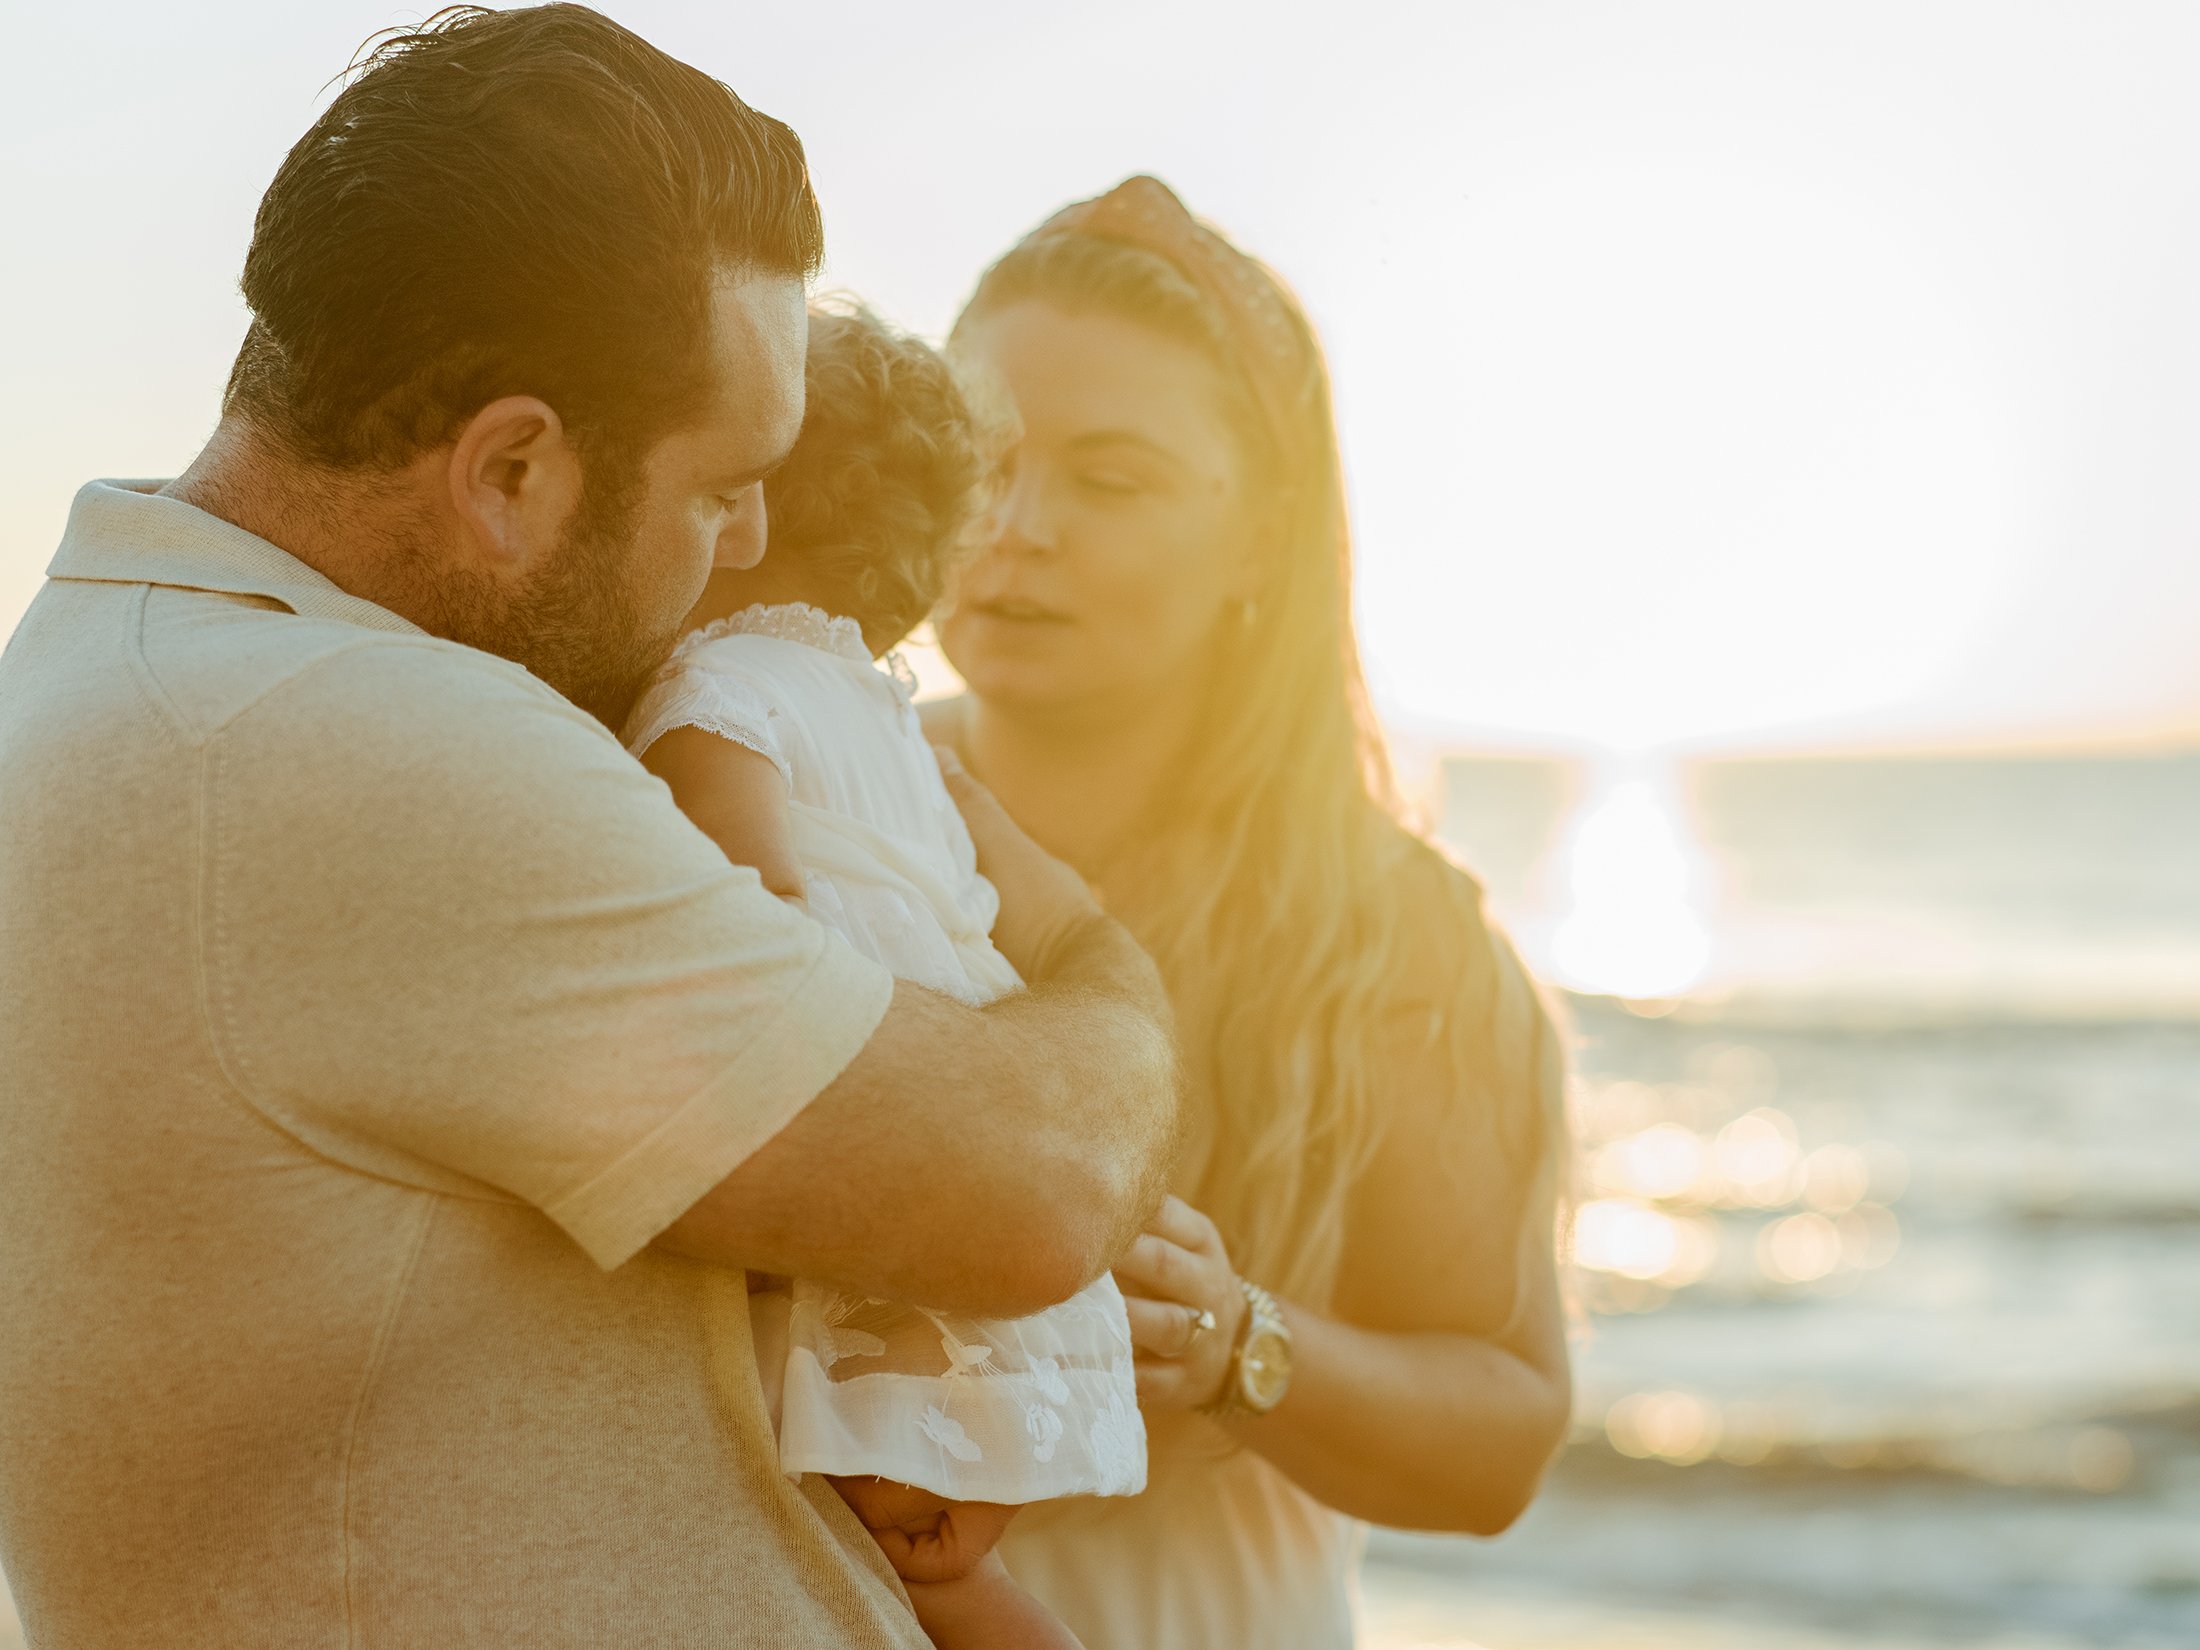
<point x="1889" y="1239"/>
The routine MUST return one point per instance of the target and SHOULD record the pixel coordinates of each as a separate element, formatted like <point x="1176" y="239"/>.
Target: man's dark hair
<point x="526" y="202"/>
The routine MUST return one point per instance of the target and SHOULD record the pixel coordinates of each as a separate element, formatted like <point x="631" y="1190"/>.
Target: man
<point x="394" y="1083"/>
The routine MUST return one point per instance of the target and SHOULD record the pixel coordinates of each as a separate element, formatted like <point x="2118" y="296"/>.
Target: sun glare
<point x="1632" y="926"/>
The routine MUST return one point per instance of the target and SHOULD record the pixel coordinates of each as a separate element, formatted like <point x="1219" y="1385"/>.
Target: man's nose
<point x="741" y="541"/>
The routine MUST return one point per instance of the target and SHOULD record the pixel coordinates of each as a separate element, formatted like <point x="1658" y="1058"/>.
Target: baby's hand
<point x="925" y="1537"/>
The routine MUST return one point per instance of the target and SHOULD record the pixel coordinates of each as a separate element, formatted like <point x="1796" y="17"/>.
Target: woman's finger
<point x="1156" y="1326"/>
<point x="1154" y="1266"/>
<point x="1162" y="1328"/>
<point x="1186" y="1227"/>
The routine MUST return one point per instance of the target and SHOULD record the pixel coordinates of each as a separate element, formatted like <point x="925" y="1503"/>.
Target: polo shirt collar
<point x="127" y="532"/>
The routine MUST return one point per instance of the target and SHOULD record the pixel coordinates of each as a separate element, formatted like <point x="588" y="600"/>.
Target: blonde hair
<point x="894" y="463"/>
<point x="1299" y="924"/>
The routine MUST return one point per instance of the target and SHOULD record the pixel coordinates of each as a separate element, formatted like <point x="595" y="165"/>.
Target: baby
<point x="782" y="738"/>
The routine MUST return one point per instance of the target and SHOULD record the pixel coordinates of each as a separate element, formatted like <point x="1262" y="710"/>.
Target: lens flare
<point x="1632" y="928"/>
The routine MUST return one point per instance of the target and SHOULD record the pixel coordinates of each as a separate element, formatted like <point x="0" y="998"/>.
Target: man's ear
<point x="514" y="480"/>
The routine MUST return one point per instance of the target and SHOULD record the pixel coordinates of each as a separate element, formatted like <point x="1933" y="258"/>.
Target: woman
<point x="1164" y="691"/>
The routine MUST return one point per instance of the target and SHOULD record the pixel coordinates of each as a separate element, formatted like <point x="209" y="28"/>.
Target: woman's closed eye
<point x="1111" y="483"/>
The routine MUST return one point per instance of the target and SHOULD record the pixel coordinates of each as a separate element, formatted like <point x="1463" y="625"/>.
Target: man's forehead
<point x="759" y="336"/>
<point x="759" y="321"/>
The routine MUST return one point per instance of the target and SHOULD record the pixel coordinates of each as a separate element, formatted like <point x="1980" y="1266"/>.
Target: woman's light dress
<point x="1221" y="1552"/>
<point x="974" y="1409"/>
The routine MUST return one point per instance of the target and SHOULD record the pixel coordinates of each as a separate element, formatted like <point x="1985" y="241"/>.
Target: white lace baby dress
<point x="975" y="1409"/>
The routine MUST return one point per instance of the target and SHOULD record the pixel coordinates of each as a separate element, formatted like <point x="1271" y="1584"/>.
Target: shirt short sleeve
<point x="454" y="935"/>
<point x="691" y="693"/>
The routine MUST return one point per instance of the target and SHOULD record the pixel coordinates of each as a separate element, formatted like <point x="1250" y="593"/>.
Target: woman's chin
<point x="1022" y="677"/>
<point x="1024" y="685"/>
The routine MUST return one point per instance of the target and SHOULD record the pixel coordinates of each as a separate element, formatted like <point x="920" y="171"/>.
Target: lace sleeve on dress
<point x="688" y="694"/>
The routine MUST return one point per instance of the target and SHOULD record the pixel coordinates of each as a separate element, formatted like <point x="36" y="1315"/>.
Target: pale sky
<point x="1712" y="374"/>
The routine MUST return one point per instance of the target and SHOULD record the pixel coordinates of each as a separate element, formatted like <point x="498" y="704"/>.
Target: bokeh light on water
<point x="1886" y="1211"/>
<point x="1678" y="1192"/>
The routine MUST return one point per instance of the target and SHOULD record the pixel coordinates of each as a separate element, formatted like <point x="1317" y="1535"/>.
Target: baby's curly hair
<point x="893" y="467"/>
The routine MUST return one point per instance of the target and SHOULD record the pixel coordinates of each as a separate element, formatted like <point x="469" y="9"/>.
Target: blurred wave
<point x="1895" y="1310"/>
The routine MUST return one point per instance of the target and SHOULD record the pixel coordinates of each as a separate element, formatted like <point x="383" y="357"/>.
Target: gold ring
<point x="1197" y="1321"/>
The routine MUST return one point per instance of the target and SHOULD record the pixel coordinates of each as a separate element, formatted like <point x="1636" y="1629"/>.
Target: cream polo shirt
<point x="365" y="1011"/>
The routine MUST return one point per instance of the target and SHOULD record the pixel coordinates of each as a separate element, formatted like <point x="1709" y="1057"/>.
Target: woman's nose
<point x="1026" y="522"/>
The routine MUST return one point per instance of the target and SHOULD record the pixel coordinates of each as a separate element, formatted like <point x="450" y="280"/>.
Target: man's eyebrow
<point x="749" y="478"/>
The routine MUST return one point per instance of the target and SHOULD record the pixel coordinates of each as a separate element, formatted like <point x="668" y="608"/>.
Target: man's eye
<point x="1111" y="482"/>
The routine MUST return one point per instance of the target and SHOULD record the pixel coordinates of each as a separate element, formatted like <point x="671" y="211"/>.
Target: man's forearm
<point x="1099" y="955"/>
<point x="991" y="1160"/>
<point x="1096" y="1028"/>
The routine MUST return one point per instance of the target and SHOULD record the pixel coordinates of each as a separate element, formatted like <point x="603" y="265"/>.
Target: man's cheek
<point x="690" y="552"/>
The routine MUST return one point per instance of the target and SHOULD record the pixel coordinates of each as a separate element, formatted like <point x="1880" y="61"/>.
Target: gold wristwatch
<point x="1260" y="1363"/>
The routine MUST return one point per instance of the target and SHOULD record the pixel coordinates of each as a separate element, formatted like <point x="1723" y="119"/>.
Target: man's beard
<point x="575" y="624"/>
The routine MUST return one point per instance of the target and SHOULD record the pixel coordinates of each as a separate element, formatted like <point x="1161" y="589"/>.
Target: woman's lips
<point x="1020" y="612"/>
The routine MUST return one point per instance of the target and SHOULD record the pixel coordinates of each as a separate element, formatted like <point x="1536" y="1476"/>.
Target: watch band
<point x="1262" y="1315"/>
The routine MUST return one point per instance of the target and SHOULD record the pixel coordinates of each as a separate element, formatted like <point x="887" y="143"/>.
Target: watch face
<point x="1265" y="1370"/>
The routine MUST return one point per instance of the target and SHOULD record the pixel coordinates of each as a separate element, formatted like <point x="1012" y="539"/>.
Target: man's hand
<point x="1044" y="904"/>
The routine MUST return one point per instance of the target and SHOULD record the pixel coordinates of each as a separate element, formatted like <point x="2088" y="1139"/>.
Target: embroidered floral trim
<point x="832" y="633"/>
<point x="947" y="1432"/>
<point x="903" y="675"/>
<point x="837" y="1341"/>
<point x="789" y="622"/>
<point x="1118" y="1443"/>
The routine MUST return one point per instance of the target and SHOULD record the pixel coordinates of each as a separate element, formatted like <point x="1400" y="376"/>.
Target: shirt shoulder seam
<point x="162" y="703"/>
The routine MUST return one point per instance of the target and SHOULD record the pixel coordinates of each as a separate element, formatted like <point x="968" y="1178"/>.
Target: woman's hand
<point x="1174" y="1272"/>
<point x="1044" y="904"/>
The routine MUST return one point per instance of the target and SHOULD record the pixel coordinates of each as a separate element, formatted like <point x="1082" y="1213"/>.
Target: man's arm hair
<point x="991" y="1160"/>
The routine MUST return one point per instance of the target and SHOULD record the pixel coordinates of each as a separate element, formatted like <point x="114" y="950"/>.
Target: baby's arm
<point x="986" y="1610"/>
<point x="737" y="797"/>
